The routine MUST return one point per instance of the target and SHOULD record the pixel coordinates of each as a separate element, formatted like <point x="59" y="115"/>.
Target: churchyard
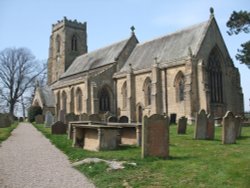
<point x="194" y="161"/>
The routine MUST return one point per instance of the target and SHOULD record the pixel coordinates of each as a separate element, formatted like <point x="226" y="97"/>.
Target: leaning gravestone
<point x="94" y="117"/>
<point x="182" y="125"/>
<point x="58" y="128"/>
<point x="201" y="125"/>
<point x="5" y="121"/>
<point x="210" y="127"/>
<point x="123" y="119"/>
<point x="155" y="136"/>
<point x="238" y="126"/>
<point x="62" y="115"/>
<point x="39" y="119"/>
<point x="228" y="129"/>
<point x="49" y="119"/>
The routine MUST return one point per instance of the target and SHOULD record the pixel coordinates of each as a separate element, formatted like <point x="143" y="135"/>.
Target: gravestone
<point x="155" y="136"/>
<point x="49" y="119"/>
<point x="71" y="117"/>
<point x="39" y="119"/>
<point x="94" y="117"/>
<point x="238" y="126"/>
<point x="228" y="129"/>
<point x="123" y="119"/>
<point x="84" y="117"/>
<point x="182" y="125"/>
<point x="5" y="120"/>
<point x="62" y="115"/>
<point x="210" y="127"/>
<point x="201" y="125"/>
<point x="58" y="128"/>
<point x="112" y="119"/>
<point x="172" y="118"/>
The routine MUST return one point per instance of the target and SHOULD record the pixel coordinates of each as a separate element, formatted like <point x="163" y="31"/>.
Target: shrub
<point x="33" y="112"/>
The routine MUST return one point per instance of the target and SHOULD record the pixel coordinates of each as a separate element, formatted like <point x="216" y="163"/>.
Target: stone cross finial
<point x="211" y="12"/>
<point x="130" y="68"/>
<point x="132" y="30"/>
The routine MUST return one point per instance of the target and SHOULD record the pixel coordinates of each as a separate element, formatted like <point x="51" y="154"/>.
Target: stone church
<point x="177" y="74"/>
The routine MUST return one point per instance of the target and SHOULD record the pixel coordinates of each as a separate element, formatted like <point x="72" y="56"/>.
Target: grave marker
<point x="155" y="136"/>
<point x="228" y="129"/>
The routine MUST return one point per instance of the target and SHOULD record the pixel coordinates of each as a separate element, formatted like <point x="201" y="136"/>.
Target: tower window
<point x="58" y="43"/>
<point x="74" y="43"/>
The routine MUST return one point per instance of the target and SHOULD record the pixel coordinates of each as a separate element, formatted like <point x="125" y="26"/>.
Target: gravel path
<point x="29" y="160"/>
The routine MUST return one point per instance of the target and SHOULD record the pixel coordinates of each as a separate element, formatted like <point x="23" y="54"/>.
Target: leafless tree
<point x="18" y="72"/>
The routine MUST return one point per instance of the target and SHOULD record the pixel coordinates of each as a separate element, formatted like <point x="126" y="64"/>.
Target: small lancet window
<point x="179" y="85"/>
<point x="147" y="91"/>
<point x="79" y="99"/>
<point x="58" y="43"/>
<point x="124" y="95"/>
<point x="74" y="43"/>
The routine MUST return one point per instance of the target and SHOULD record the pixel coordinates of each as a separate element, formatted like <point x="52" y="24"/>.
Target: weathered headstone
<point x="112" y="119"/>
<point x="39" y="119"/>
<point x="58" y="128"/>
<point x="123" y="119"/>
<point x="5" y="121"/>
<point x="71" y="117"/>
<point x="49" y="119"/>
<point x="62" y="115"/>
<point x="94" y="117"/>
<point x="201" y="125"/>
<point x="182" y="125"/>
<point x="210" y="127"/>
<point x="228" y="129"/>
<point x="238" y="126"/>
<point x="155" y="136"/>
<point x="84" y="117"/>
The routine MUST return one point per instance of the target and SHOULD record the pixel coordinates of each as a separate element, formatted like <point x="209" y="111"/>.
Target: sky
<point x="28" y="23"/>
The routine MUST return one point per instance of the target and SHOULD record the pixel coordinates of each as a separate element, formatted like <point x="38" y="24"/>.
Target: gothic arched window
<point x="74" y="43"/>
<point x="104" y="100"/>
<point x="215" y="77"/>
<point x="58" y="43"/>
<point x="64" y="101"/>
<point x="72" y="100"/>
<point x="147" y="91"/>
<point x="79" y="99"/>
<point x="179" y="85"/>
<point x="124" y="95"/>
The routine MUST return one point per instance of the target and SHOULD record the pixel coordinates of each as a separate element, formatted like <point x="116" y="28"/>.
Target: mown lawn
<point x="193" y="163"/>
<point x="6" y="132"/>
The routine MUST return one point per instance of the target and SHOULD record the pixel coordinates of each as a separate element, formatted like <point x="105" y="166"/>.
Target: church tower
<point x="67" y="41"/>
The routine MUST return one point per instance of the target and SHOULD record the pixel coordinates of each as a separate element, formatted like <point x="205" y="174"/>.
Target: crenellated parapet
<point x="68" y="23"/>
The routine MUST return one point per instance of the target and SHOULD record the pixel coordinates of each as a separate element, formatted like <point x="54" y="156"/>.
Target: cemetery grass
<point x="192" y="163"/>
<point x="6" y="132"/>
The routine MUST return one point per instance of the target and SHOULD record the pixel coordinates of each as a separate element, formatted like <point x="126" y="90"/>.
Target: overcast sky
<point x="27" y="23"/>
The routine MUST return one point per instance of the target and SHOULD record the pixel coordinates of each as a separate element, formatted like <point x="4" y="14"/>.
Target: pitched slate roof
<point x="47" y="96"/>
<point x="167" y="48"/>
<point x="97" y="58"/>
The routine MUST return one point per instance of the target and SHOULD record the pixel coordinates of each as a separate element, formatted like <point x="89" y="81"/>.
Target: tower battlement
<point x="68" y="23"/>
